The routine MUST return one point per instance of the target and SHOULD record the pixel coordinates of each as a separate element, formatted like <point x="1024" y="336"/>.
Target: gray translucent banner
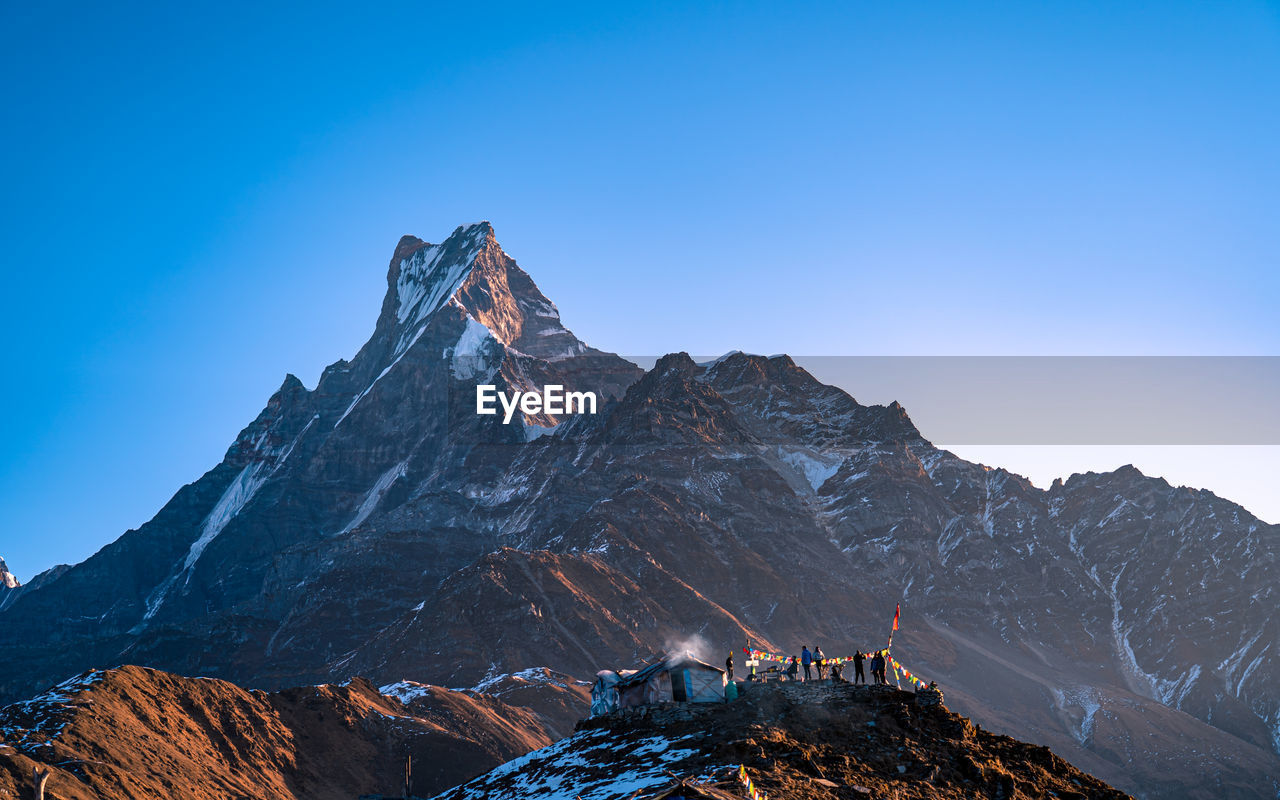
<point x="1063" y="400"/>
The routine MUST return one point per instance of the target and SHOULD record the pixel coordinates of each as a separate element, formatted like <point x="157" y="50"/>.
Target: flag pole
<point x="897" y="612"/>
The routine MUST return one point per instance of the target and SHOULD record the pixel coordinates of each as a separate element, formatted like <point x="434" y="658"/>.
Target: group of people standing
<point x="809" y="660"/>
<point x="814" y="660"/>
<point x="879" y="662"/>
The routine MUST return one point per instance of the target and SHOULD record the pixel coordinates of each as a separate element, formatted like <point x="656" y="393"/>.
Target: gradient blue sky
<point x="197" y="200"/>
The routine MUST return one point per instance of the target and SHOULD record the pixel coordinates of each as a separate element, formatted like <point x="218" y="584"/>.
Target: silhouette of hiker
<point x="819" y="658"/>
<point x="858" y="674"/>
<point x="806" y="660"/>
<point x="728" y="665"/>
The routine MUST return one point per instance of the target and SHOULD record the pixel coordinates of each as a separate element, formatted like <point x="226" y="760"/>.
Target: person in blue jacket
<point x="806" y="661"/>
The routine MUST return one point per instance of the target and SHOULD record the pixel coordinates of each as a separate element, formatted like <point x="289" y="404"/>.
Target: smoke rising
<point x="695" y="644"/>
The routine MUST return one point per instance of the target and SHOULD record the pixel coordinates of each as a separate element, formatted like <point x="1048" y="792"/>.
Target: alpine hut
<point x="679" y="678"/>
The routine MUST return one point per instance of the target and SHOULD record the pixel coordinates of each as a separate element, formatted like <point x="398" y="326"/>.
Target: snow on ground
<point x="35" y="723"/>
<point x="584" y="765"/>
<point x="406" y="691"/>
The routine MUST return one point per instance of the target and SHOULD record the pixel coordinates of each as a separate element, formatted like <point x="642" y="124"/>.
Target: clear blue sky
<point x="197" y="200"/>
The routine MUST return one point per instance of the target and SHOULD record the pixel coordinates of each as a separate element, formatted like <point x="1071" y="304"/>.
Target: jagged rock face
<point x="376" y="525"/>
<point x="131" y="733"/>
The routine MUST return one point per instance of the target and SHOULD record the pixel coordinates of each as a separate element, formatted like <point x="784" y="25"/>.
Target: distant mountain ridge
<point x="375" y="525"/>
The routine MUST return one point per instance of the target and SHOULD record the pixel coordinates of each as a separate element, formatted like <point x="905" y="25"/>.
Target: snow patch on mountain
<point x="400" y="353"/>
<point x="406" y="691"/>
<point x="375" y="494"/>
<point x="234" y="498"/>
<point x="1231" y="663"/>
<point x="469" y="357"/>
<point x="952" y="535"/>
<point x="541" y="676"/>
<point x="532" y="431"/>
<point x="1244" y="676"/>
<point x="1087" y="700"/>
<point x="816" y="469"/>
<point x="237" y="495"/>
<point x="426" y="280"/>
<point x="413" y="284"/>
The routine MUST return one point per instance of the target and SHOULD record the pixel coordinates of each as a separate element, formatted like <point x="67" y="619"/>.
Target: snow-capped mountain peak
<point x="471" y="271"/>
<point x="430" y="275"/>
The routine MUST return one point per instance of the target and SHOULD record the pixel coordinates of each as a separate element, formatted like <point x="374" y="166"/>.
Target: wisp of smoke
<point x="695" y="644"/>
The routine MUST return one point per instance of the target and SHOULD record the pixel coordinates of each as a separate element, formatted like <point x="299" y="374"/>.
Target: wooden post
<point x="38" y="779"/>
<point x="408" y="777"/>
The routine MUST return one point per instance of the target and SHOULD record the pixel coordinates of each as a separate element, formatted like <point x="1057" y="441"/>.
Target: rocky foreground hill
<point x="817" y="742"/>
<point x="138" y="734"/>
<point x="376" y="525"/>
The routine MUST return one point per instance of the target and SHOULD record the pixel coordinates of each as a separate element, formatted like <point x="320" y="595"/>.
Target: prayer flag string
<point x="764" y="655"/>
<point x="745" y="779"/>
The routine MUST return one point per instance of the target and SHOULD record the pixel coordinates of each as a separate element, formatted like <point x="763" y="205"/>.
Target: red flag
<point x="897" y="611"/>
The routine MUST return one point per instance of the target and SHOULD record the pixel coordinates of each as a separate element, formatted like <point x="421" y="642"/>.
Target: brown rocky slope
<point x="134" y="734"/>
